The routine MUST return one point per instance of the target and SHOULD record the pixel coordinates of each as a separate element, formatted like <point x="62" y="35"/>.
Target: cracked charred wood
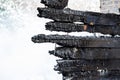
<point x="57" y="4"/>
<point x="82" y="74"/>
<point x="74" y="41"/>
<point x="86" y="53"/>
<point x="58" y="15"/>
<point x="89" y="18"/>
<point x="72" y="27"/>
<point x="87" y="65"/>
<point x="65" y="27"/>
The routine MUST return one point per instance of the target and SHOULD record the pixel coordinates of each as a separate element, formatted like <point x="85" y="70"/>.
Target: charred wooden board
<point x="73" y="41"/>
<point x="65" y="27"/>
<point x="58" y="15"/>
<point x="86" y="74"/>
<point x="90" y="18"/>
<point x="81" y="74"/>
<point x="72" y="27"/>
<point x="57" y="4"/>
<point x="87" y="65"/>
<point x="86" y="53"/>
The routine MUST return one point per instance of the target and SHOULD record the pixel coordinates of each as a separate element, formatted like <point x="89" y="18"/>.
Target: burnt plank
<point x="90" y="18"/>
<point x="74" y="41"/>
<point x="92" y="74"/>
<point x="72" y="27"/>
<point x="86" y="53"/>
<point x="58" y="15"/>
<point x="87" y="65"/>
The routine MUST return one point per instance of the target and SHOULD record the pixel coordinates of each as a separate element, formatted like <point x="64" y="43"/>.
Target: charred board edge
<point x="86" y="53"/>
<point x="74" y="41"/>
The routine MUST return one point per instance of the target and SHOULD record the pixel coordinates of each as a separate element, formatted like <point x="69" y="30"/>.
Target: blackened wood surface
<point x="87" y="65"/>
<point x="73" y="41"/>
<point x="56" y="4"/>
<point x="92" y="75"/>
<point x="86" y="53"/>
<point x="90" y="18"/>
<point x="58" y="15"/>
<point x="72" y="27"/>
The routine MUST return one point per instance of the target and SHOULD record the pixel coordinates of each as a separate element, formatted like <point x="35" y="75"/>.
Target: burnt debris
<point x="76" y="27"/>
<point x="82" y="58"/>
<point x="93" y="21"/>
<point x="86" y="53"/>
<point x="57" y="4"/>
<point x="73" y="41"/>
<point x="90" y="18"/>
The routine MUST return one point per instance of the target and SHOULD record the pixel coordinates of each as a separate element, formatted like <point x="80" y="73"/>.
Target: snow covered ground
<point x="20" y="58"/>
